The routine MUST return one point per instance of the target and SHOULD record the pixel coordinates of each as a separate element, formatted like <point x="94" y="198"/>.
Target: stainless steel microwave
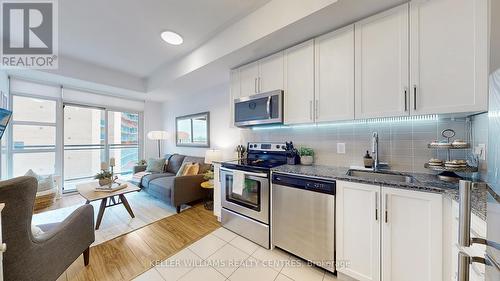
<point x="265" y="108"/>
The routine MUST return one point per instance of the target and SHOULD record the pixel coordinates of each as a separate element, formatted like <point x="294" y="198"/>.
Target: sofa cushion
<point x="161" y="188"/>
<point x="174" y="163"/>
<point x="148" y="178"/>
<point x="203" y="167"/>
<point x="155" y="165"/>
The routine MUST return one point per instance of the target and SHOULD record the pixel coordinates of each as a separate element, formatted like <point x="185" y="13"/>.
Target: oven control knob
<point x="283" y="147"/>
<point x="277" y="146"/>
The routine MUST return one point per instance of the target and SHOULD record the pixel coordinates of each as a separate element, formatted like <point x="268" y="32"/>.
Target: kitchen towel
<point x="238" y="182"/>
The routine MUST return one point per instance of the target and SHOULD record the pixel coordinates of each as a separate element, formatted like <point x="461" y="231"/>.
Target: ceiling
<point x="125" y="34"/>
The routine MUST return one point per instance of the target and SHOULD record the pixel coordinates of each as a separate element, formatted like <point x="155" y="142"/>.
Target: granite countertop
<point x="424" y="182"/>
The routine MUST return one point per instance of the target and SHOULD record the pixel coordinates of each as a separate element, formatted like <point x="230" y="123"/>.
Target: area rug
<point x="116" y="220"/>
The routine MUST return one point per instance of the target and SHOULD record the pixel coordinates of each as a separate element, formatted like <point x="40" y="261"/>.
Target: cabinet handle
<point x="376" y="206"/>
<point x="255" y="85"/>
<point x="386" y="200"/>
<point x="311" y="109"/>
<point x="406" y="99"/>
<point x="259" y="85"/>
<point x="415" y="97"/>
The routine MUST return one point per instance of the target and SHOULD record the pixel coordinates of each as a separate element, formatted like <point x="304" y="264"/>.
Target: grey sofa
<point x="175" y="190"/>
<point x="47" y="255"/>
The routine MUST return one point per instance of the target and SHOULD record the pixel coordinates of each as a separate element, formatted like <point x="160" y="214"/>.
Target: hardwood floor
<point x="127" y="256"/>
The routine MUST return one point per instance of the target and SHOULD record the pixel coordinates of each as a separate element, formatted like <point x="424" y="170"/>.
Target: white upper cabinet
<point x="358" y="219"/>
<point x="449" y="64"/>
<point x="299" y="83"/>
<point x="381" y="51"/>
<point x="334" y="75"/>
<point x="249" y="79"/>
<point x="235" y="84"/>
<point x="271" y="73"/>
<point x="412" y="235"/>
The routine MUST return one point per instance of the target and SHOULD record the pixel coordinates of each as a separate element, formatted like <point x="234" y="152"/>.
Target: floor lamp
<point x="158" y="136"/>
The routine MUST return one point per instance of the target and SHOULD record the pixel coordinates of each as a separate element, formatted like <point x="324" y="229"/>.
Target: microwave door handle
<point x="268" y="107"/>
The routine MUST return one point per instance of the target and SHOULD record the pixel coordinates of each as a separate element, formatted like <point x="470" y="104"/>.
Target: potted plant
<point x="104" y="177"/>
<point x="306" y="155"/>
<point x="209" y="176"/>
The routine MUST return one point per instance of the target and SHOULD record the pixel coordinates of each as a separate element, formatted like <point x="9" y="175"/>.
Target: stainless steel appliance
<point x="303" y="218"/>
<point x="245" y="209"/>
<point x="265" y="108"/>
<point x="491" y="258"/>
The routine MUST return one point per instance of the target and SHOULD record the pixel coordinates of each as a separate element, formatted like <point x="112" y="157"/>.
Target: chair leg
<point x="178" y="209"/>
<point x="86" y="256"/>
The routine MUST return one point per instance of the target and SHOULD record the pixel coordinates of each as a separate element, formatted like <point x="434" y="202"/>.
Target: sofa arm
<point x="187" y="189"/>
<point x="139" y="168"/>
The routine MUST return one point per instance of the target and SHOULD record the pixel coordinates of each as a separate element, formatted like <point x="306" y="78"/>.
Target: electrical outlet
<point x="480" y="151"/>
<point x="340" y="148"/>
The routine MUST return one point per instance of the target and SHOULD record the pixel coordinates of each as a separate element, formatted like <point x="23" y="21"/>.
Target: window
<point x="33" y="135"/>
<point x="84" y="143"/>
<point x="123" y="140"/>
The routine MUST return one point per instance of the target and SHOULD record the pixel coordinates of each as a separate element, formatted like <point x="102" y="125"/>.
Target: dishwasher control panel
<point x="307" y="183"/>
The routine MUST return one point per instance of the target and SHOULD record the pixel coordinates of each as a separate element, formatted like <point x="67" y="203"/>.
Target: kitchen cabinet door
<point x="412" y="235"/>
<point x="271" y="73"/>
<point x="358" y="230"/>
<point x="299" y="83"/>
<point x="334" y="75"/>
<point x="382" y="71"/>
<point x="449" y="56"/>
<point x="249" y="76"/>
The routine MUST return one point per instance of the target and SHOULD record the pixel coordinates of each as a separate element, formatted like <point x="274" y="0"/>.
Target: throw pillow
<point x="44" y="183"/>
<point x="191" y="170"/>
<point x="182" y="168"/>
<point x="155" y="165"/>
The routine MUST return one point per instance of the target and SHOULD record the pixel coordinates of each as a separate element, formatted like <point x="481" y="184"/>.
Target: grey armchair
<point x="48" y="255"/>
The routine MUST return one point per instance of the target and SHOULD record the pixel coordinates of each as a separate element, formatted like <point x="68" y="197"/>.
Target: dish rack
<point x="449" y="173"/>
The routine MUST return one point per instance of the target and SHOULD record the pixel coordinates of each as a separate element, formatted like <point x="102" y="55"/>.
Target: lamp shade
<point x="212" y="155"/>
<point x="157" y="135"/>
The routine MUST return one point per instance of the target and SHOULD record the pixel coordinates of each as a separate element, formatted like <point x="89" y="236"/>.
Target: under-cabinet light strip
<point x="354" y="122"/>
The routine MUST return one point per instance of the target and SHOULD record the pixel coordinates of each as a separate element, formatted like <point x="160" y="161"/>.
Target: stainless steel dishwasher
<point x="303" y="218"/>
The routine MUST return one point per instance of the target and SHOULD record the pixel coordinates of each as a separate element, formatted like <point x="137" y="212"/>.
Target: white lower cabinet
<point x="217" y="191"/>
<point x="388" y="234"/>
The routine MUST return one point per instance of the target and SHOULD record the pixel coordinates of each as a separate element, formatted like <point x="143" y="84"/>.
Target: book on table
<point x="110" y="188"/>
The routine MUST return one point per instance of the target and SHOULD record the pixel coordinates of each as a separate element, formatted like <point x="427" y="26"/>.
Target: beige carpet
<point x="116" y="220"/>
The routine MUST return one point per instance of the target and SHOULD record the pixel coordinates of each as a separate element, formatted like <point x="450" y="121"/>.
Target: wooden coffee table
<point x="108" y="199"/>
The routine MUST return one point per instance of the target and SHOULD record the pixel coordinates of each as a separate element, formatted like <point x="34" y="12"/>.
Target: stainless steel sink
<point x="381" y="176"/>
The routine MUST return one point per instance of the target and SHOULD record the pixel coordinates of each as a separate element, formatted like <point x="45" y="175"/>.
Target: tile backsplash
<point x="402" y="144"/>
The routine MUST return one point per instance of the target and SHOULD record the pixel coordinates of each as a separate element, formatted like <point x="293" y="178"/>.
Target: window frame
<point x="58" y="150"/>
<point x="11" y="150"/>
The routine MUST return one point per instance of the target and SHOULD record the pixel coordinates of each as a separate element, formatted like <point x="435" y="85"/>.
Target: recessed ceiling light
<point x="171" y="37"/>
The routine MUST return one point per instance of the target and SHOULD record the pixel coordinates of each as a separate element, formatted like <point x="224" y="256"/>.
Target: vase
<point x="106" y="181"/>
<point x="306" y="160"/>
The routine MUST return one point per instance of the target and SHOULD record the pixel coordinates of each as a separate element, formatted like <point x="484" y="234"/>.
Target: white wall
<point x="153" y="121"/>
<point x="216" y="101"/>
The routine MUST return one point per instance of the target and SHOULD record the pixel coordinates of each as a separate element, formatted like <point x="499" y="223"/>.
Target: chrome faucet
<point x="376" y="161"/>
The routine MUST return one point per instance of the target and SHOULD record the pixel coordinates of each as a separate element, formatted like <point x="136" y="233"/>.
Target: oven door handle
<point x="261" y="175"/>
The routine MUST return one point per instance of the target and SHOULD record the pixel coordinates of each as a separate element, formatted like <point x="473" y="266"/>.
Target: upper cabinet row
<point x="418" y="58"/>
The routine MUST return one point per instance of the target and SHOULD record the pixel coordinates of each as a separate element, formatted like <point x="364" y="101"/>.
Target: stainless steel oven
<point x="265" y="108"/>
<point x="253" y="202"/>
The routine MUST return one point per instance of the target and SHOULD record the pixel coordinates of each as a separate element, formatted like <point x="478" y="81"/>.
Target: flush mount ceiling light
<point x="171" y="37"/>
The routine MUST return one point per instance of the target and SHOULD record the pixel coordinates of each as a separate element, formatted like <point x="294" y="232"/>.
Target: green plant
<point x="142" y="162"/>
<point x="306" y="151"/>
<point x="103" y="175"/>
<point x="209" y="175"/>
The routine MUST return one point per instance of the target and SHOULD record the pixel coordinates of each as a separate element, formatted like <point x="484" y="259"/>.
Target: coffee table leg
<point x="127" y="206"/>
<point x="101" y="213"/>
